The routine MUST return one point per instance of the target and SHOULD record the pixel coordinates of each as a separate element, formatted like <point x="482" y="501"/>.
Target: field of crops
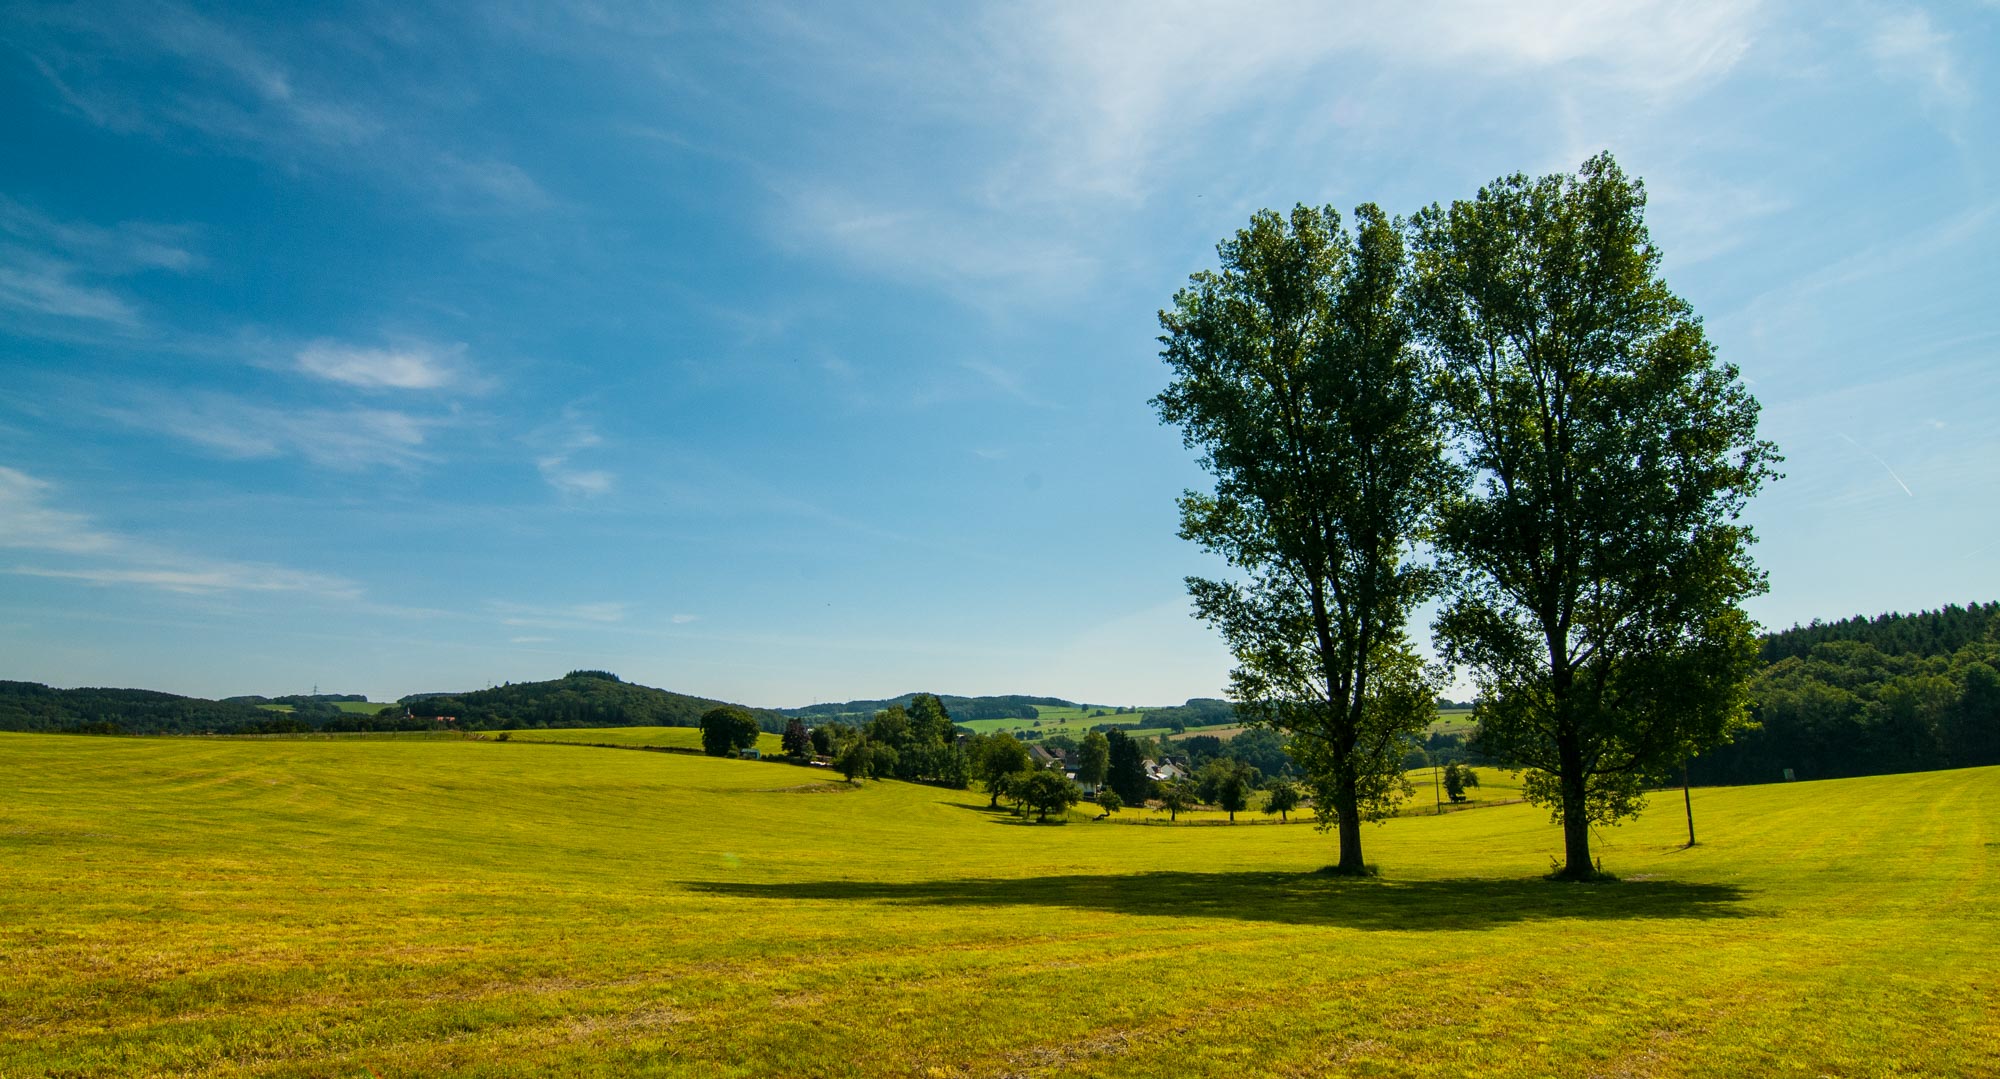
<point x="355" y="907"/>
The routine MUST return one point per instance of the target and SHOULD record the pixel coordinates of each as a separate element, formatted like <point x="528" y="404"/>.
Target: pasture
<point x="358" y="708"/>
<point x="359" y="907"/>
<point x="637" y="737"/>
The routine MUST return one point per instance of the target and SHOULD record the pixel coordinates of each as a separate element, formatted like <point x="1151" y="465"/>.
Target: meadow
<point x="358" y="907"/>
<point x="357" y="708"/>
<point x="1075" y="722"/>
<point x="688" y="738"/>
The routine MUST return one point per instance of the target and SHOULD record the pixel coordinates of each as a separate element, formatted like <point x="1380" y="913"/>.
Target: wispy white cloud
<point x="684" y="619"/>
<point x="1066" y="116"/>
<point x="599" y="615"/>
<point x="588" y="482"/>
<point x="125" y="247"/>
<point x="406" y="367"/>
<point x="562" y="440"/>
<point x="346" y="439"/>
<point x="101" y="557"/>
<point x="40" y="286"/>
<point x="488" y="182"/>
<point x="26" y="521"/>
<point x="52" y="268"/>
<point x="277" y="93"/>
<point x="1906" y="45"/>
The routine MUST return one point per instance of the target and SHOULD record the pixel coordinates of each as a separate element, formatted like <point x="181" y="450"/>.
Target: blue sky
<point x="792" y="353"/>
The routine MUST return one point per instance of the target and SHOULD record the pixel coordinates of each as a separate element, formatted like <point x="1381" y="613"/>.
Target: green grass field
<point x="360" y="907"/>
<point x="669" y="737"/>
<point x="364" y="708"/>
<point x="1075" y="722"/>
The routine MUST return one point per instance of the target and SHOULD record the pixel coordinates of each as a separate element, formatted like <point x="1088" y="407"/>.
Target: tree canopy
<point x="1296" y="378"/>
<point x="1597" y="558"/>
<point x="726" y="729"/>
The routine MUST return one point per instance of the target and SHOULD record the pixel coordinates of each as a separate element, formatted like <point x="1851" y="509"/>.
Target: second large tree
<point x="1295" y="378"/>
<point x="1597" y="556"/>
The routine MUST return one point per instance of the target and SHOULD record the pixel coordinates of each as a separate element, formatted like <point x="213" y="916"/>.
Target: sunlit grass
<point x="356" y="907"/>
<point x="665" y="737"/>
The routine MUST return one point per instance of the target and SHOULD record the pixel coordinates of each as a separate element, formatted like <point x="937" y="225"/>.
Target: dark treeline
<point x="1869" y="696"/>
<point x="296" y="699"/>
<point x="578" y="699"/>
<point x="1197" y="712"/>
<point x="31" y="706"/>
<point x="963" y="709"/>
<point x="917" y="742"/>
<point x="1926" y="633"/>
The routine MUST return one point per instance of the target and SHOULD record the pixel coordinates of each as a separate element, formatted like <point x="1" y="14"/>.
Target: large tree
<point x="1125" y="770"/>
<point x="1093" y="760"/>
<point x="726" y="729"/>
<point x="1597" y="555"/>
<point x="1296" y="379"/>
<point x="995" y="757"/>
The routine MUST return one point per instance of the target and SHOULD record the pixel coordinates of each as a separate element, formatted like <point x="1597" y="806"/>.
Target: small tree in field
<point x="1176" y="799"/>
<point x="1109" y="801"/>
<point x="1232" y="794"/>
<point x="797" y="742"/>
<point x="994" y="759"/>
<point x="726" y="729"/>
<point x="1049" y="790"/>
<point x="1093" y="762"/>
<point x="1457" y="779"/>
<point x="854" y="759"/>
<point x="1284" y="798"/>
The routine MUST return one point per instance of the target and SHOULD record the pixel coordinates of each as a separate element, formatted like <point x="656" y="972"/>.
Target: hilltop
<point x="577" y="699"/>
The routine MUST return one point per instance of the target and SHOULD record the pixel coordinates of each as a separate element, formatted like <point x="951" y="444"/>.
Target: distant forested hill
<point x="1867" y="696"/>
<point x="1197" y="712"/>
<point x="962" y="709"/>
<point x="31" y="706"/>
<point x="578" y="699"/>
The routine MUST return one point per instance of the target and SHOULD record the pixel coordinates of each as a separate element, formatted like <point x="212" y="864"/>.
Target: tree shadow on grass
<point x="1006" y="815"/>
<point x="1287" y="898"/>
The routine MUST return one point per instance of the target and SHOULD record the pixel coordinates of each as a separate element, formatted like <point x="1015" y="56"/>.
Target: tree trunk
<point x="1346" y="806"/>
<point x="1576" y="819"/>
<point x="1687" y="799"/>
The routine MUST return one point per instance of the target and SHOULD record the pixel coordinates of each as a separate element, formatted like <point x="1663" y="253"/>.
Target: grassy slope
<point x="359" y="708"/>
<point x="673" y="737"/>
<point x="336" y="907"/>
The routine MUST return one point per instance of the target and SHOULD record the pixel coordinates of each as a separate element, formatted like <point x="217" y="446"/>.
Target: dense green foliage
<point x="1926" y="633"/>
<point x="1046" y="791"/>
<point x="727" y="729"/>
<point x="1282" y="800"/>
<point x="1197" y="712"/>
<point x="1597" y="556"/>
<point x="31" y="706"/>
<point x="1126" y="771"/>
<point x="1895" y="693"/>
<point x="1296" y="378"/>
<point x="578" y="699"/>
<point x="1260" y="748"/>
